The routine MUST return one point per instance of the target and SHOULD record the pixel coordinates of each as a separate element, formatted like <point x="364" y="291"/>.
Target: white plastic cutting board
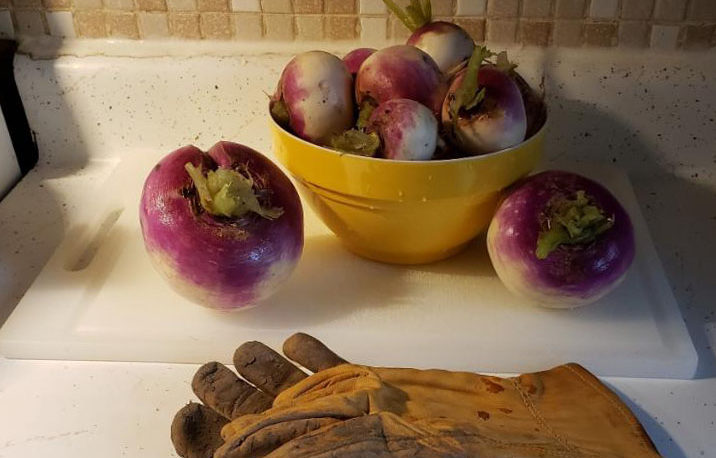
<point x="98" y="298"/>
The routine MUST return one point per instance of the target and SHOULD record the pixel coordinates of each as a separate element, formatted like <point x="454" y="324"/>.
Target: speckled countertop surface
<point x="652" y="114"/>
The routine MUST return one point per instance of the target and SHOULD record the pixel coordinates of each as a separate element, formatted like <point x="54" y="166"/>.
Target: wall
<point x="663" y="24"/>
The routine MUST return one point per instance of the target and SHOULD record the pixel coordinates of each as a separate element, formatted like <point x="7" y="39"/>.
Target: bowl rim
<point x="476" y="158"/>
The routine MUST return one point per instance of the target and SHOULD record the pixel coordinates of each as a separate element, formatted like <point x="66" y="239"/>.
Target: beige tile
<point x="27" y="4"/>
<point x="443" y="7"/>
<point x="702" y="10"/>
<point x="664" y="36"/>
<point x="567" y="33"/>
<point x="215" y="26"/>
<point x="633" y="34"/>
<point x="153" y="25"/>
<point x="126" y="5"/>
<point x="278" y="27"/>
<point x="474" y="26"/>
<point x="121" y="24"/>
<point x="339" y="6"/>
<point x="396" y="29"/>
<point x="698" y="36"/>
<point x="181" y="5"/>
<point x="247" y="26"/>
<point x="60" y="23"/>
<point x="52" y="5"/>
<point x="29" y="23"/>
<point x="7" y="30"/>
<point x="308" y="6"/>
<point x="534" y="33"/>
<point x="87" y="4"/>
<point x="309" y="27"/>
<point x="670" y="10"/>
<point x="601" y="34"/>
<point x="246" y="6"/>
<point x="184" y="25"/>
<point x="341" y="27"/>
<point x="276" y="6"/>
<point x="569" y="9"/>
<point x="372" y="7"/>
<point x="373" y="29"/>
<point x="470" y="7"/>
<point x="536" y="8"/>
<point x="502" y="8"/>
<point x="212" y="5"/>
<point x="90" y="24"/>
<point x="637" y="9"/>
<point x="151" y="5"/>
<point x="603" y="9"/>
<point x="501" y="30"/>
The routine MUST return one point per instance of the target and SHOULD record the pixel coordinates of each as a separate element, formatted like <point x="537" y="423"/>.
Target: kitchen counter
<point x="652" y="114"/>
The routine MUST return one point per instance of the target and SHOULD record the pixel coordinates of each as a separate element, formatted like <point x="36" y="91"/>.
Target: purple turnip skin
<point x="408" y="130"/>
<point x="355" y="58"/>
<point x="501" y="121"/>
<point x="220" y="263"/>
<point x="571" y="275"/>
<point x="448" y="44"/>
<point x="317" y="89"/>
<point x="401" y="72"/>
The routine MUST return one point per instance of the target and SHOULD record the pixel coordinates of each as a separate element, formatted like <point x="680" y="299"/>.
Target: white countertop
<point x="652" y="114"/>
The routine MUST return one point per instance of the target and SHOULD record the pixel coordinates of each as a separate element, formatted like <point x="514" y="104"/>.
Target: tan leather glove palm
<point x="359" y="411"/>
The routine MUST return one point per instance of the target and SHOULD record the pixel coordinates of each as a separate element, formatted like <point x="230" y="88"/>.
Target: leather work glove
<point x="347" y="410"/>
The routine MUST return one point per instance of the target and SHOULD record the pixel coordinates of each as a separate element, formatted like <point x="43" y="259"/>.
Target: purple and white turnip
<point x="484" y="111"/>
<point x="224" y="228"/>
<point x="401" y="72"/>
<point x="560" y="240"/>
<point x="408" y="130"/>
<point x="355" y="58"/>
<point x="447" y="43"/>
<point x="314" y="97"/>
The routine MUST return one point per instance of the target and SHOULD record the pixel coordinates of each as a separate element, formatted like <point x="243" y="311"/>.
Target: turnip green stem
<point x="226" y="192"/>
<point x="356" y="142"/>
<point x="415" y="15"/>
<point x="468" y="95"/>
<point x="279" y="111"/>
<point x="571" y="222"/>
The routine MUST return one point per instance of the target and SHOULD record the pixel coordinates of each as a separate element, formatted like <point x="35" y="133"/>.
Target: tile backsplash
<point x="661" y="24"/>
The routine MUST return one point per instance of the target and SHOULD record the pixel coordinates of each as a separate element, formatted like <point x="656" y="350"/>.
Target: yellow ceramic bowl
<point x="403" y="212"/>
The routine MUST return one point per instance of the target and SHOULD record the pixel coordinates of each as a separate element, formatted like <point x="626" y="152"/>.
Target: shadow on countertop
<point x="676" y="209"/>
<point x="659" y="436"/>
<point x="60" y="136"/>
<point x="31" y="215"/>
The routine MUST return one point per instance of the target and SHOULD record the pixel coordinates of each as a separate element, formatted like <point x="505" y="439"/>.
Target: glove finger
<point x="219" y="388"/>
<point x="270" y="438"/>
<point x="196" y="431"/>
<point x="310" y="352"/>
<point x="269" y="371"/>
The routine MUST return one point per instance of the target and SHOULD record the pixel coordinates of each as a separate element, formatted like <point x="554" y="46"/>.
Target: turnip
<point x="400" y="72"/>
<point x="224" y="228"/>
<point x="408" y="129"/>
<point x="484" y="111"/>
<point x="447" y="43"/>
<point x="560" y="240"/>
<point x="355" y="58"/>
<point x="314" y="97"/>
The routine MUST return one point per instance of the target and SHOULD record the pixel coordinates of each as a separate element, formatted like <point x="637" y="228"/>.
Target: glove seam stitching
<point x="540" y="420"/>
